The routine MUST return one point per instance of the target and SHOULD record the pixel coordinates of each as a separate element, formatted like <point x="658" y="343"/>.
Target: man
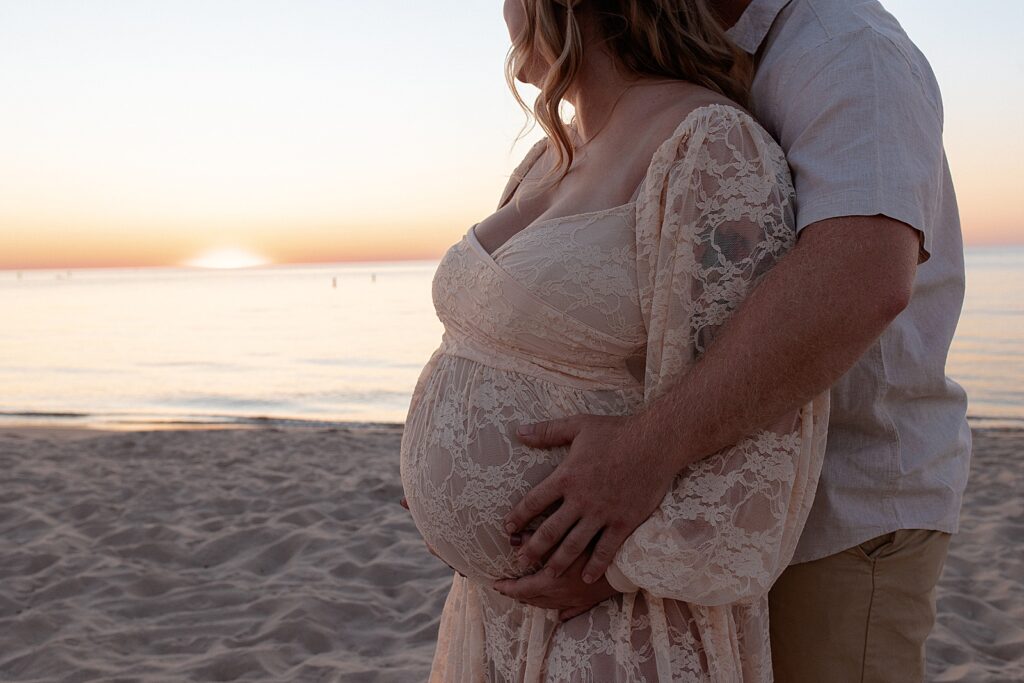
<point x="867" y="303"/>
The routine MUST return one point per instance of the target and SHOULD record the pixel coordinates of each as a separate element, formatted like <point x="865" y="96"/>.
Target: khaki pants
<point x="861" y="615"/>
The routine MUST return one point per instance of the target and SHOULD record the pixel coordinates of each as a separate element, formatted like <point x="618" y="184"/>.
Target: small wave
<point x="39" y="414"/>
<point x="995" y="421"/>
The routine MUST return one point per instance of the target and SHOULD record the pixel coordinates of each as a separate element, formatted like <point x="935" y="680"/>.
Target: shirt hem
<point x="867" y="534"/>
<point x="841" y="205"/>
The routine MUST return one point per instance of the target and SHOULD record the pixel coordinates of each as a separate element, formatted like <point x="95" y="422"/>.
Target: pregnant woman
<point x="619" y="248"/>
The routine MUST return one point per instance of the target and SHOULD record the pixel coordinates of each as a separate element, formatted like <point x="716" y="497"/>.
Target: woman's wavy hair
<point x="673" y="39"/>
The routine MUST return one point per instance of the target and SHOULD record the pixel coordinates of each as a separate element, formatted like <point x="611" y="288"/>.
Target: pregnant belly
<point x="459" y="499"/>
<point x="463" y="469"/>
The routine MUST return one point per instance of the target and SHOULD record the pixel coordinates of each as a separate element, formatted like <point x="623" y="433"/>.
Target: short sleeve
<point x="864" y="133"/>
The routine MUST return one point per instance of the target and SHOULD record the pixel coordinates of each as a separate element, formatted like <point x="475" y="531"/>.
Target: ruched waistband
<point x="591" y="378"/>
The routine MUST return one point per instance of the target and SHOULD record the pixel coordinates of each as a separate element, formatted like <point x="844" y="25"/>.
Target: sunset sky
<point x="145" y="132"/>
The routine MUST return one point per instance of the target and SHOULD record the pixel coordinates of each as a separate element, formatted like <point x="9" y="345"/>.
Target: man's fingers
<point x="550" y="433"/>
<point x="533" y="503"/>
<point x="610" y="542"/>
<point x="525" y="587"/>
<point x="572" y="546"/>
<point x="546" y="536"/>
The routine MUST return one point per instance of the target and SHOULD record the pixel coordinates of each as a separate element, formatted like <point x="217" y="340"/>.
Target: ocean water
<point x="987" y="354"/>
<point x="324" y="343"/>
<point x="309" y="343"/>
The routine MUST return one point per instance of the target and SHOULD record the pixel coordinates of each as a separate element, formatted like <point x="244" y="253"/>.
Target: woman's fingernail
<point x="587" y="578"/>
<point x="516" y="539"/>
<point x="524" y="429"/>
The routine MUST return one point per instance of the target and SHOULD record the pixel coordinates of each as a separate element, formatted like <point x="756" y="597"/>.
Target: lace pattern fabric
<point x="546" y="327"/>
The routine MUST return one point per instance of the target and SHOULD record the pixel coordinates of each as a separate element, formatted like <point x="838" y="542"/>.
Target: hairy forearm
<point x="806" y="323"/>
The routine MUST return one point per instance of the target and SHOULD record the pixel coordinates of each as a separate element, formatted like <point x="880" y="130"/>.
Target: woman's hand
<point x="609" y="483"/>
<point x="567" y="593"/>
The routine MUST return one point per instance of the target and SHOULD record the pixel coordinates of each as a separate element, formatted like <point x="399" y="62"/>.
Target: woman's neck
<point x="594" y="97"/>
<point x="600" y="85"/>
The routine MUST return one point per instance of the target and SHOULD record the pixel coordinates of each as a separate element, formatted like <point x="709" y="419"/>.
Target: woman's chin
<point x="524" y="78"/>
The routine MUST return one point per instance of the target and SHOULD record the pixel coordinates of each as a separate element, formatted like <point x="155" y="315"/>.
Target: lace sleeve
<point x="717" y="217"/>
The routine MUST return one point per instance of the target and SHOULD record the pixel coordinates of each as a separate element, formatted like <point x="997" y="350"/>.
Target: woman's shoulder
<point x="677" y="106"/>
<point x="705" y="109"/>
<point x="708" y="132"/>
<point x="721" y="122"/>
<point x="674" y="103"/>
<point x="664" y="128"/>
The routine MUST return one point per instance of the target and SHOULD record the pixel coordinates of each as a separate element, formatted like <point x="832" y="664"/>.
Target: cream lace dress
<point x="543" y="328"/>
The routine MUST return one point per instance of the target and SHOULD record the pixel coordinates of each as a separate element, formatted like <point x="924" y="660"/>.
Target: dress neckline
<point x="531" y="159"/>
<point x="546" y="221"/>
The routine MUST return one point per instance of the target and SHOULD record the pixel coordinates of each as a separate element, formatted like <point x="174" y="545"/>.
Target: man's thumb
<point x="549" y="433"/>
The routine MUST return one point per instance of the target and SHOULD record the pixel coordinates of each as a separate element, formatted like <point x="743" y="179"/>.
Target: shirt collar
<point x="749" y="32"/>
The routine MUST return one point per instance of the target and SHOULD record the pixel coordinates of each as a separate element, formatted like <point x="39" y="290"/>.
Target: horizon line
<point x="354" y="261"/>
<point x="277" y="264"/>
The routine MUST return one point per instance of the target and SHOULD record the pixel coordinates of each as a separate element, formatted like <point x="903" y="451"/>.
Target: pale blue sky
<point x="145" y="131"/>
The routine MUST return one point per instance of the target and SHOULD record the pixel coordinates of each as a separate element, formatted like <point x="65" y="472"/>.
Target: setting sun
<point x="227" y="257"/>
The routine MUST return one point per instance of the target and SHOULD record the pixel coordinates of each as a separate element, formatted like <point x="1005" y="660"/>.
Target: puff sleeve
<point x="716" y="213"/>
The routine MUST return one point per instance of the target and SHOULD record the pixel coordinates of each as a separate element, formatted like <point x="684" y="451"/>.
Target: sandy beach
<point x="275" y="554"/>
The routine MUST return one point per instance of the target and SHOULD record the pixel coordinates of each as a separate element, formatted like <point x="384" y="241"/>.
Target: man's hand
<point x="568" y="593"/>
<point x="612" y="479"/>
<point x="804" y="325"/>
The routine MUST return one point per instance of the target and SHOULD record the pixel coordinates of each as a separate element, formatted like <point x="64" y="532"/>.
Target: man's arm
<point x="807" y="322"/>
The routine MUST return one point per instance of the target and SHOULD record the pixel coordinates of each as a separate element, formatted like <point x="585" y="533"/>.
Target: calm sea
<point x="324" y="343"/>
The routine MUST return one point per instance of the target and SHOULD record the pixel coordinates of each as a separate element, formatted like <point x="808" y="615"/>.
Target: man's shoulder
<point x="830" y="37"/>
<point x="826" y="20"/>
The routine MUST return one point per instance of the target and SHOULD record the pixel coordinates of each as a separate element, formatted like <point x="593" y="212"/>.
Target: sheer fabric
<point x="550" y="325"/>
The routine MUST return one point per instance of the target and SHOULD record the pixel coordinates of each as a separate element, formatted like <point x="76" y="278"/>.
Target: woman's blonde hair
<point x="674" y="39"/>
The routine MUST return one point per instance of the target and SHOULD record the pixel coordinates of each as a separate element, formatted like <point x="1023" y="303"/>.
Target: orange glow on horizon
<point x="62" y="250"/>
<point x="51" y="250"/>
<point x="227" y="257"/>
<point x="82" y="232"/>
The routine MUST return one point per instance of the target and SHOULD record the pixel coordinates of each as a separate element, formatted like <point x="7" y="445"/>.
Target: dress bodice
<point x="559" y="296"/>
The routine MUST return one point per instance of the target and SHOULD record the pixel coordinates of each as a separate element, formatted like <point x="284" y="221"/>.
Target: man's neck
<point x="729" y="11"/>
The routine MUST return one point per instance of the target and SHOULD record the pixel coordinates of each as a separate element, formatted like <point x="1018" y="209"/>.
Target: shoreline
<point x="65" y="432"/>
<point x="64" y="429"/>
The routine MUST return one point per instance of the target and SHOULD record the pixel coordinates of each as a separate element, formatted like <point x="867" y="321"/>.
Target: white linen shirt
<point x="856" y="108"/>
